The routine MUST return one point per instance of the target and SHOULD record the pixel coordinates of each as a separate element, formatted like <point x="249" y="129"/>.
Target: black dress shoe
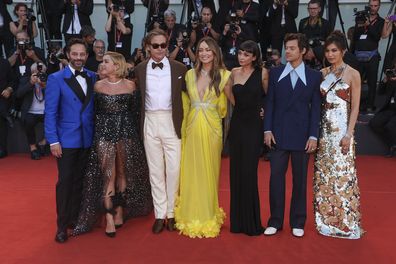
<point x="61" y="237"/>
<point x="35" y="155"/>
<point x="3" y="153"/>
<point x="158" y="226"/>
<point x="171" y="224"/>
<point x="118" y="226"/>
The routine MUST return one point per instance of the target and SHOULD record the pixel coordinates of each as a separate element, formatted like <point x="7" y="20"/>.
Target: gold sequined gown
<point x="336" y="191"/>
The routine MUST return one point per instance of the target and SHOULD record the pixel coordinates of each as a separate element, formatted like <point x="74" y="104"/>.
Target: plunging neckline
<point x="250" y="76"/>
<point x="197" y="90"/>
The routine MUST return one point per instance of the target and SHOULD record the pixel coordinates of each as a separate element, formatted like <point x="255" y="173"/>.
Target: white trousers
<point x="163" y="151"/>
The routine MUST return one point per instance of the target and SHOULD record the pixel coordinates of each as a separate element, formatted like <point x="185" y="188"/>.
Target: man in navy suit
<point x="69" y="128"/>
<point x="291" y="127"/>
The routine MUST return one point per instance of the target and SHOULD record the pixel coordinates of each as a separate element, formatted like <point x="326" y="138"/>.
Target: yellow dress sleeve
<point x="222" y="103"/>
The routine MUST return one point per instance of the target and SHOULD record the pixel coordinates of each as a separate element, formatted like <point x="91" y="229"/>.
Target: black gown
<point x="246" y="137"/>
<point x="116" y="143"/>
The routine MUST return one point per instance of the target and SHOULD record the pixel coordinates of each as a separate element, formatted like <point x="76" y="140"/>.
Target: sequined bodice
<point x="117" y="116"/>
<point x="114" y="104"/>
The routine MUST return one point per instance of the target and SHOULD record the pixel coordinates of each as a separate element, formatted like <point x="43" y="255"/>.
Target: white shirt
<point x="37" y="107"/>
<point x="81" y="80"/>
<point x="75" y="26"/>
<point x="158" y="87"/>
<point x="295" y="73"/>
<point x="1" y="21"/>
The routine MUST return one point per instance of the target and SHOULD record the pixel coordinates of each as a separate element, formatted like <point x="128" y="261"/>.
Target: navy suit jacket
<point x="69" y="114"/>
<point x="293" y="114"/>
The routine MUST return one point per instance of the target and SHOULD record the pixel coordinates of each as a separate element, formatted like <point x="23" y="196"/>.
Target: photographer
<point x="7" y="85"/>
<point x="6" y="38"/>
<point x="248" y="13"/>
<point x="54" y="14"/>
<point x="390" y="27"/>
<point x="230" y="41"/>
<point x="203" y="26"/>
<point x="99" y="48"/>
<point x="31" y="91"/>
<point x="56" y="59"/>
<point x="314" y="55"/>
<point x="173" y="30"/>
<point x="88" y="35"/>
<point x="25" y="55"/>
<point x="182" y="51"/>
<point x="367" y="35"/>
<point x="384" y="121"/>
<point x="314" y="26"/>
<point x="119" y="31"/>
<point x="156" y="13"/>
<point x="272" y="59"/>
<point x="282" y="15"/>
<point x="77" y="14"/>
<point x="128" y="5"/>
<point x="26" y="21"/>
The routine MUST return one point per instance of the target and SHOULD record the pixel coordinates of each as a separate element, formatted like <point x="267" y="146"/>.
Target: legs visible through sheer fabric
<point x="112" y="159"/>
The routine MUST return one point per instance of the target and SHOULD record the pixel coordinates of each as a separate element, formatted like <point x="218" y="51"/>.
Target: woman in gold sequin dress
<point x="336" y="191"/>
<point x="197" y="211"/>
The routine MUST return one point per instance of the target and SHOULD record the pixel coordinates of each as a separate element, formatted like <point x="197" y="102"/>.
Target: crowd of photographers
<point x="25" y="68"/>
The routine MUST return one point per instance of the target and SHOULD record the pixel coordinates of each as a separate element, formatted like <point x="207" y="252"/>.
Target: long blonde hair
<point x="217" y="65"/>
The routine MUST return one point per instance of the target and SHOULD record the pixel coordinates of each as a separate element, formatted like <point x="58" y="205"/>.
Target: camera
<point x="390" y="73"/>
<point x="392" y="18"/>
<point x="269" y="62"/>
<point x="41" y="75"/>
<point x="24" y="45"/>
<point x="315" y="42"/>
<point x="195" y="19"/>
<point x="362" y="16"/>
<point x="30" y="15"/>
<point x="158" y="18"/>
<point x="234" y="21"/>
<point x="185" y="38"/>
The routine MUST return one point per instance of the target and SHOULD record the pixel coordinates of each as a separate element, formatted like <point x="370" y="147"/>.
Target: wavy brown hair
<point x="217" y="64"/>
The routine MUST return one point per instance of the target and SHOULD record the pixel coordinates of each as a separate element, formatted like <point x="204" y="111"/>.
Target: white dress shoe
<point x="297" y="232"/>
<point x="269" y="231"/>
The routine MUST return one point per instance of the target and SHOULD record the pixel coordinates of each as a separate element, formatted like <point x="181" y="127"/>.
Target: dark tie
<point x="81" y="73"/>
<point x="160" y="65"/>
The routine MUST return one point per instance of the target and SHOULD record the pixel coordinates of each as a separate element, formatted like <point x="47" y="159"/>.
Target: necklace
<point x="204" y="73"/>
<point x="339" y="70"/>
<point x="114" y="82"/>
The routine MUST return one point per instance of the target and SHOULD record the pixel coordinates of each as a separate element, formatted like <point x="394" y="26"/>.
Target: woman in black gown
<point x="245" y="136"/>
<point x="116" y="183"/>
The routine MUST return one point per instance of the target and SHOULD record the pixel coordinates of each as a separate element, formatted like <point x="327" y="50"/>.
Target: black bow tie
<point x="160" y="65"/>
<point x="81" y="73"/>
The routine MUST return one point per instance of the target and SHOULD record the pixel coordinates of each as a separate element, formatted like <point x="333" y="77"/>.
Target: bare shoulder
<point x="325" y="71"/>
<point x="130" y="85"/>
<point x="352" y="72"/>
<point x="99" y="85"/>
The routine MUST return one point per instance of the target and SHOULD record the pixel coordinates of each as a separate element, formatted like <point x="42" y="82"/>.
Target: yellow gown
<point x="197" y="211"/>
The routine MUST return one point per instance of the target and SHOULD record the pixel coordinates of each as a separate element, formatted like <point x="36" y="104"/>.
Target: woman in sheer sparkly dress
<point x="116" y="183"/>
<point x="336" y="191"/>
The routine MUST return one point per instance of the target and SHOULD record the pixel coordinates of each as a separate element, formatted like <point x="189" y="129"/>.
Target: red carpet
<point x="27" y="225"/>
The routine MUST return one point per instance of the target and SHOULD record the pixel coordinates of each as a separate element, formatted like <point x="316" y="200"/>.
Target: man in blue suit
<point x="291" y="127"/>
<point x="69" y="128"/>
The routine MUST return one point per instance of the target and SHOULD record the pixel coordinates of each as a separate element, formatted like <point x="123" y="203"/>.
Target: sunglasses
<point x="156" y="46"/>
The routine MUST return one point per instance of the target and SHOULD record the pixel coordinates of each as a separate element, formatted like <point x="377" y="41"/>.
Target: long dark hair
<point x="218" y="65"/>
<point x="252" y="47"/>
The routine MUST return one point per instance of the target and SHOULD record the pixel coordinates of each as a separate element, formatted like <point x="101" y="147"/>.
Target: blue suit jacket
<point x="68" y="112"/>
<point x="293" y="114"/>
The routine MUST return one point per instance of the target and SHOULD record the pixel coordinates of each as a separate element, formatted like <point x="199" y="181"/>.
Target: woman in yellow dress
<point x="197" y="211"/>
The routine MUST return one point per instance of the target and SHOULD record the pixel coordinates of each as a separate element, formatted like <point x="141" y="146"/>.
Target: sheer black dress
<point x="246" y="137"/>
<point x="116" y="147"/>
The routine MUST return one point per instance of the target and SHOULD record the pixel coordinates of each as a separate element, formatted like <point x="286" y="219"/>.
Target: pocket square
<point x="179" y="77"/>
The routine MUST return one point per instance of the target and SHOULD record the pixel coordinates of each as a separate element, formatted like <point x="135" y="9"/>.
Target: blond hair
<point x="119" y="60"/>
